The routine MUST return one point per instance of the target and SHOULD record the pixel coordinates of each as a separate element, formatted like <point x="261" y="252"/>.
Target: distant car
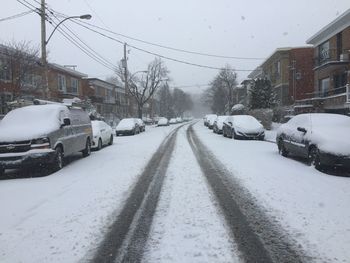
<point x="163" y="122"/>
<point x="172" y="121"/>
<point x="243" y="127"/>
<point x="205" y="119"/>
<point x="219" y="123"/>
<point x="147" y="120"/>
<point x="141" y="125"/>
<point x="210" y="120"/>
<point x="321" y="138"/>
<point x="128" y="126"/>
<point x="102" y="134"/>
<point x="179" y="120"/>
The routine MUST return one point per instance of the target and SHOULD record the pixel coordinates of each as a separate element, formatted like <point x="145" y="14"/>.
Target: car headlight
<point x="41" y="143"/>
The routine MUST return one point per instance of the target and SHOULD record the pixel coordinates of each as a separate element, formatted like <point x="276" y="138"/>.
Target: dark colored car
<point x="243" y="127"/>
<point x="323" y="139"/>
<point x="43" y="135"/>
<point x="128" y="126"/>
<point x="218" y="124"/>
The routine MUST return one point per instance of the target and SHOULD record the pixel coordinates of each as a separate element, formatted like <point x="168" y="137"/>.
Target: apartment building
<point x="331" y="68"/>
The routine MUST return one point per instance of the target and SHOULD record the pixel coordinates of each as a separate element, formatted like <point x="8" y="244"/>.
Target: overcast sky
<point x="249" y="28"/>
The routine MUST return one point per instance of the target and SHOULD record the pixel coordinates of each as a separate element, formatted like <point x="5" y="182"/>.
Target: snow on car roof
<point x="31" y="121"/>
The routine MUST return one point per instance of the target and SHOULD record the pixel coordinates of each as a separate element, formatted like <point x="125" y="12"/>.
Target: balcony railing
<point x="332" y="56"/>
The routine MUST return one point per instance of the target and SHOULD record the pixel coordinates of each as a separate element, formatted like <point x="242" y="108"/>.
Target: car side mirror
<point x="302" y="129"/>
<point x="230" y="123"/>
<point x="66" y="122"/>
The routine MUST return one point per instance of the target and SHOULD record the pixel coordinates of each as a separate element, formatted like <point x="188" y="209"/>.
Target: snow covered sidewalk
<point x="63" y="216"/>
<point x="311" y="206"/>
<point x="187" y="226"/>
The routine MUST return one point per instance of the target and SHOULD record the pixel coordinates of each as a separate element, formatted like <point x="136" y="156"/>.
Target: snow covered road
<point x="177" y="194"/>
<point x="63" y="217"/>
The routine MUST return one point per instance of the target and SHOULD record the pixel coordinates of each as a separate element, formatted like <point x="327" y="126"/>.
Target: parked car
<point x="148" y="121"/>
<point x="206" y="119"/>
<point x="163" y="122"/>
<point x="243" y="127"/>
<point x="321" y="138"/>
<point x="179" y="120"/>
<point x="210" y="120"/>
<point x="172" y="121"/>
<point x="141" y="124"/>
<point x="127" y="126"/>
<point x="42" y="135"/>
<point x="102" y="134"/>
<point x="218" y="124"/>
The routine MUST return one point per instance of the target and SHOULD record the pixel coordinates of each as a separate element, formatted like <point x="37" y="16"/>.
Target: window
<point x="74" y="85"/>
<point x="324" y="87"/>
<point x="32" y="81"/>
<point x="324" y="53"/>
<point x="61" y="83"/>
<point x="5" y="71"/>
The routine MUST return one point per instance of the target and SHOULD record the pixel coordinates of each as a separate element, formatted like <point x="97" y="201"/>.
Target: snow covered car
<point x="210" y="120"/>
<point x="102" y="134"/>
<point x="243" y="127"/>
<point x="179" y="120"/>
<point x="218" y="124"/>
<point x="163" y="122"/>
<point x="141" y="124"/>
<point x="42" y="135"/>
<point x="321" y="138"/>
<point x="172" y="121"/>
<point x="127" y="126"/>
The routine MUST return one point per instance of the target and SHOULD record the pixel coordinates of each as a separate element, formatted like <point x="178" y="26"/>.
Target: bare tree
<point x="144" y="87"/>
<point x="220" y="95"/>
<point x="22" y="64"/>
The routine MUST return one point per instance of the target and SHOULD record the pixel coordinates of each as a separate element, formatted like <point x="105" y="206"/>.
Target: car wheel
<point x="224" y="133"/>
<point x="99" y="146"/>
<point x="233" y="134"/>
<point x="2" y="171"/>
<point x="87" y="150"/>
<point x="314" y="158"/>
<point x="58" y="162"/>
<point x="110" y="140"/>
<point x="282" y="149"/>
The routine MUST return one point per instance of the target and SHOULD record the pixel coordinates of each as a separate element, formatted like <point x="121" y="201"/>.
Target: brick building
<point x="290" y="72"/>
<point x="331" y="68"/>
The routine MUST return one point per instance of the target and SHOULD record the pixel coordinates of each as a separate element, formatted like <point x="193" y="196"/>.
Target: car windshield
<point x="175" y="131"/>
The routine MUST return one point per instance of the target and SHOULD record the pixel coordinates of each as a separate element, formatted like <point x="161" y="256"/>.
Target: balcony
<point x="335" y="98"/>
<point x="332" y="56"/>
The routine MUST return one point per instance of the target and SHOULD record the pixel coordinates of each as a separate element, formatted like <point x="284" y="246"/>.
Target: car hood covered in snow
<point x="31" y="122"/>
<point x="247" y="124"/>
<point x="126" y="124"/>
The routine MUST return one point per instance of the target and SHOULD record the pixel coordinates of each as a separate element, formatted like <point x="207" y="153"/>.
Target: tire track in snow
<point x="187" y="226"/>
<point x="257" y="237"/>
<point x="128" y="234"/>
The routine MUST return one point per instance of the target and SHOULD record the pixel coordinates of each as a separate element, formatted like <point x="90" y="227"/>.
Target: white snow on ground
<point x="61" y="217"/>
<point x="312" y="206"/>
<point x="186" y="226"/>
<point x="270" y="135"/>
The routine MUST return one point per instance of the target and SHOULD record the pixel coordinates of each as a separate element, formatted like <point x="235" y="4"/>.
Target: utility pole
<point x="125" y="66"/>
<point x="43" y="49"/>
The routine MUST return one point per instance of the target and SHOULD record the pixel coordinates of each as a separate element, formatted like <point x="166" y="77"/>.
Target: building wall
<point x="301" y="84"/>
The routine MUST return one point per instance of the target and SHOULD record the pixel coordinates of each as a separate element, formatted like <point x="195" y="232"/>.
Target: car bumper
<point x="94" y="143"/>
<point x="30" y="158"/>
<point x="124" y="132"/>
<point x="328" y="159"/>
<point x="251" y="137"/>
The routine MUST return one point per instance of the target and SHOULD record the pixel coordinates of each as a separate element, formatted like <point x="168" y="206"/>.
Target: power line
<point x="28" y="6"/>
<point x="95" y="53"/>
<point x="16" y="16"/>
<point x="84" y="50"/>
<point x="156" y="54"/>
<point x="167" y="47"/>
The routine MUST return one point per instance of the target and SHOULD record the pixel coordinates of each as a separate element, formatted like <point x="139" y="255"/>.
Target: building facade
<point x="331" y="68"/>
<point x="290" y="71"/>
<point x="108" y="98"/>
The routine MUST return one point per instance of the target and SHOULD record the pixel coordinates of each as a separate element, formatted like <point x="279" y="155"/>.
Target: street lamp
<point x="44" y="43"/>
<point x="87" y="17"/>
